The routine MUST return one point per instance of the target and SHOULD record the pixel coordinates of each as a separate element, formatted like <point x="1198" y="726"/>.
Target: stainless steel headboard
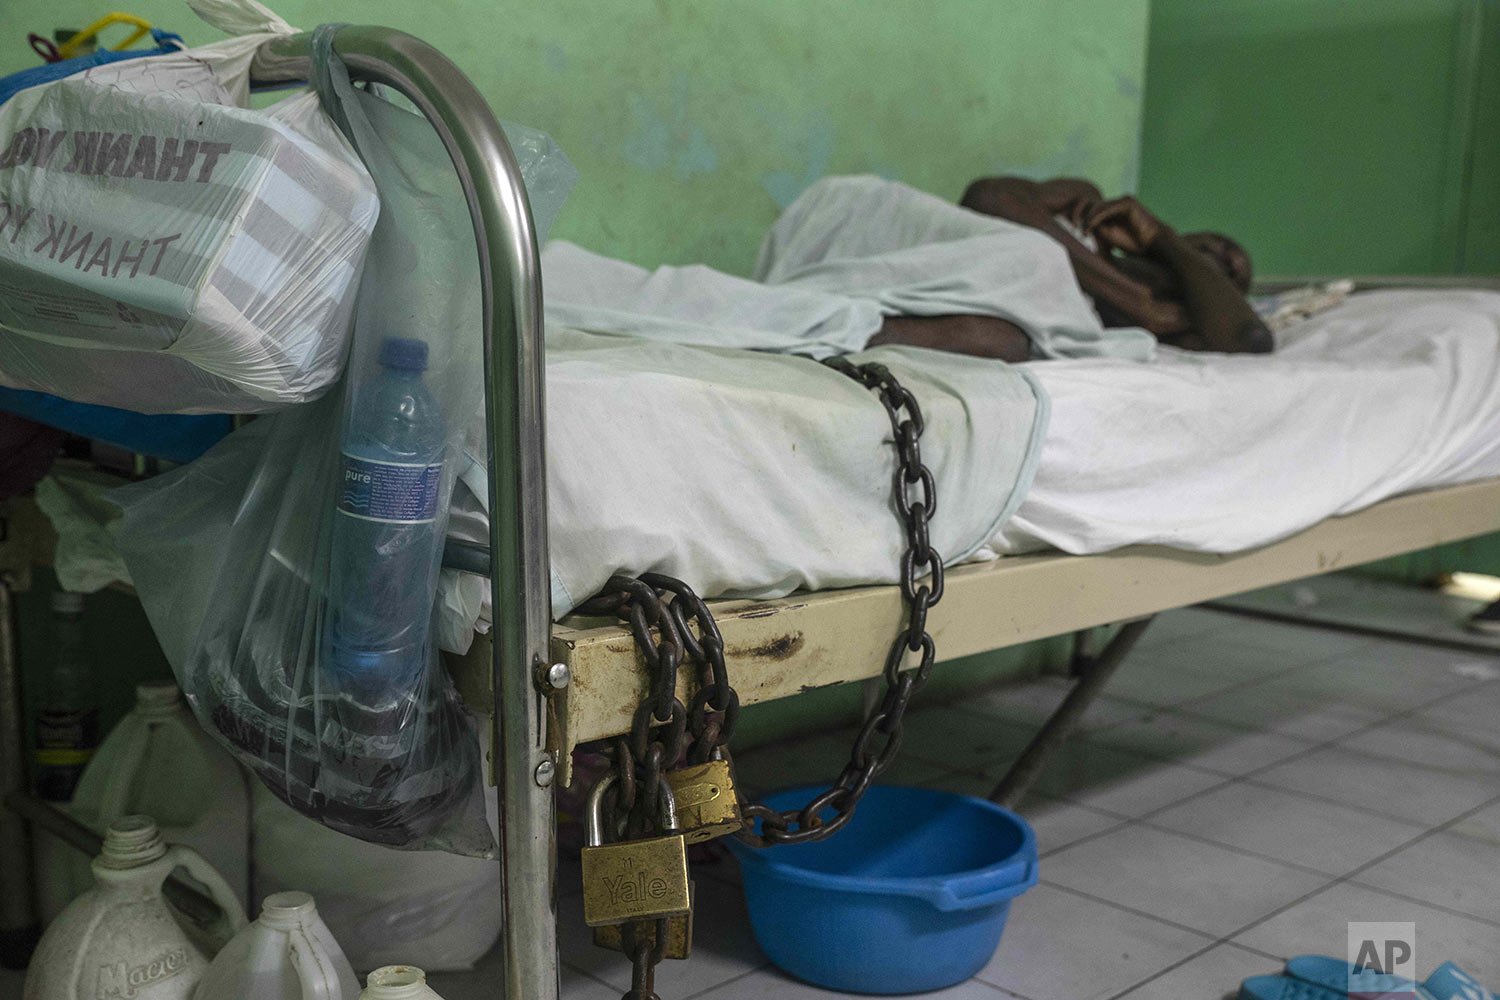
<point x="514" y="407"/>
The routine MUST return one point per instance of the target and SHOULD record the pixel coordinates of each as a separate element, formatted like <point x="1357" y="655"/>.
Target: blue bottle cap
<point x="404" y="354"/>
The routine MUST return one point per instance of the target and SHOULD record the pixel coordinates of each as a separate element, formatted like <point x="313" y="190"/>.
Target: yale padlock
<point x="632" y="879"/>
<point x="707" y="806"/>
<point x="679" y="943"/>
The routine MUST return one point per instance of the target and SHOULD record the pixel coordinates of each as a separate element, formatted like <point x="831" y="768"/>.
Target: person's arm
<point x="1220" y="318"/>
<point x="1036" y="205"/>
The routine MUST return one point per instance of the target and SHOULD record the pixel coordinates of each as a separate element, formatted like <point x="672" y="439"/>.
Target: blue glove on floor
<point x="1314" y="977"/>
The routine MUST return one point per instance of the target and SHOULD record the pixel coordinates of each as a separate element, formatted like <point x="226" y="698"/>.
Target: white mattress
<point x="1388" y="393"/>
<point x="1391" y="392"/>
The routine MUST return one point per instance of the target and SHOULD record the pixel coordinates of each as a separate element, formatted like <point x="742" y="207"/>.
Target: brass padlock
<point x="679" y="932"/>
<point x="707" y="806"/>
<point x="632" y="879"/>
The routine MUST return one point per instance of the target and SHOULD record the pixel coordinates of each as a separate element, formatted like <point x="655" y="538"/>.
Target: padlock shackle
<point x="593" y="823"/>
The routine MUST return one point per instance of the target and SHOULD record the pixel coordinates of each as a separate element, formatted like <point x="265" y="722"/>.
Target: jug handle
<point x="186" y="857"/>
<point x="114" y="803"/>
<point x="319" y="979"/>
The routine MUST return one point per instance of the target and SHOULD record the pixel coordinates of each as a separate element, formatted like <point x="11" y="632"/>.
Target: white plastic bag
<point x="424" y="908"/>
<point x="251" y="24"/>
<point x="167" y="255"/>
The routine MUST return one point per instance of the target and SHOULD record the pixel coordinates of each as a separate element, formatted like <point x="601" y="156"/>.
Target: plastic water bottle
<point x="67" y="737"/>
<point x="385" y="543"/>
<point x="67" y="727"/>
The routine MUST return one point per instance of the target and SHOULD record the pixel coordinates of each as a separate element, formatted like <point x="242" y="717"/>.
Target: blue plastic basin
<point x="911" y="896"/>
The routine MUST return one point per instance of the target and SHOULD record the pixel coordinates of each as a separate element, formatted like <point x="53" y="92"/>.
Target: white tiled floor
<point x="1244" y="792"/>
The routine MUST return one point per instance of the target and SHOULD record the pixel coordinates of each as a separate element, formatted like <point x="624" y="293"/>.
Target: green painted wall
<point x="693" y="122"/>
<point x="1349" y="136"/>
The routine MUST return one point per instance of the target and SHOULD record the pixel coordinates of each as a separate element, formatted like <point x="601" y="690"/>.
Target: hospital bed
<point x="551" y="687"/>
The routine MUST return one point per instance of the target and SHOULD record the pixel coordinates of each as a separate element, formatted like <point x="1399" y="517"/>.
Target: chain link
<point x="879" y="740"/>
<point x="661" y="612"/>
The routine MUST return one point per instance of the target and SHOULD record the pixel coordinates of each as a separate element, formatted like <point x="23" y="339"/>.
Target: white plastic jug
<point x="119" y="940"/>
<point x="159" y="762"/>
<point x="287" y="954"/>
<point x="398" y="982"/>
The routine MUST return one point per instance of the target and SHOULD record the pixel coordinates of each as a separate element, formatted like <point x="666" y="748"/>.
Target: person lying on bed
<point x="858" y="262"/>
<point x="1187" y="289"/>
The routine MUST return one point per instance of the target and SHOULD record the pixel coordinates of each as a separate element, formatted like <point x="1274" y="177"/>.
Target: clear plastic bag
<point x="290" y="572"/>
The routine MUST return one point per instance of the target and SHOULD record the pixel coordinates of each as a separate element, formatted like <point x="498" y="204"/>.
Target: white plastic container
<point x="120" y="939"/>
<point x="287" y="954"/>
<point x="427" y="908"/>
<point x="398" y="982"/>
<point x="159" y="762"/>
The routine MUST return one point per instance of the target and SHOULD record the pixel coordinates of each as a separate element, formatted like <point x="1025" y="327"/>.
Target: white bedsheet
<point x="1391" y="392"/>
<point x="848" y="252"/>
<point x="751" y="473"/>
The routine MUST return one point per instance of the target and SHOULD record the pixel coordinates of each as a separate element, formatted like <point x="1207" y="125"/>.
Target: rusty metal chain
<point x="661" y="611"/>
<point x="658" y="733"/>
<point x="879" y="740"/>
<point x="643" y="962"/>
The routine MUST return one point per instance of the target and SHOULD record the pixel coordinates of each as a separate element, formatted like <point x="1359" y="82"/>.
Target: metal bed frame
<point x="511" y="289"/>
<point x="552" y="688"/>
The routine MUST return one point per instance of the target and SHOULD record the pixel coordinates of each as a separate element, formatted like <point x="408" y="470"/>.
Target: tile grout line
<point x="1182" y="707"/>
<point x="1257" y="782"/>
<point x="1313" y="747"/>
<point x="1241" y="685"/>
<point x="732" y="979"/>
<point x="1083" y="894"/>
<point x="1334" y="883"/>
<point x="1351" y="875"/>
<point x="587" y="974"/>
<point x="1250" y="775"/>
<point x="1145" y="818"/>
<point x="1182" y="710"/>
<point x="1353" y="879"/>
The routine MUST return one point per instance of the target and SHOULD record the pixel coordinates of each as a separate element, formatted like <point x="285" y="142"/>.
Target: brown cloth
<point x="1128" y="289"/>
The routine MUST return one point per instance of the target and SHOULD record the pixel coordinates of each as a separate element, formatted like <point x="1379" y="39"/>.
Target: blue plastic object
<point x="1319" y="977"/>
<point x="34" y="76"/>
<point x="176" y="438"/>
<point x="1449" y="982"/>
<point x="1340" y="976"/>
<point x="911" y="896"/>
<point x="1286" y="988"/>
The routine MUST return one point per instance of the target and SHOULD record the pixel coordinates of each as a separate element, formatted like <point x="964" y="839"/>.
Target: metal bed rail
<point x="511" y="289"/>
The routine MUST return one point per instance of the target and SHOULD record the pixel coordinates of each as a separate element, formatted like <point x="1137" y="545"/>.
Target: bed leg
<point x="1084" y="652"/>
<point x="528" y="847"/>
<point x="1028" y="767"/>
